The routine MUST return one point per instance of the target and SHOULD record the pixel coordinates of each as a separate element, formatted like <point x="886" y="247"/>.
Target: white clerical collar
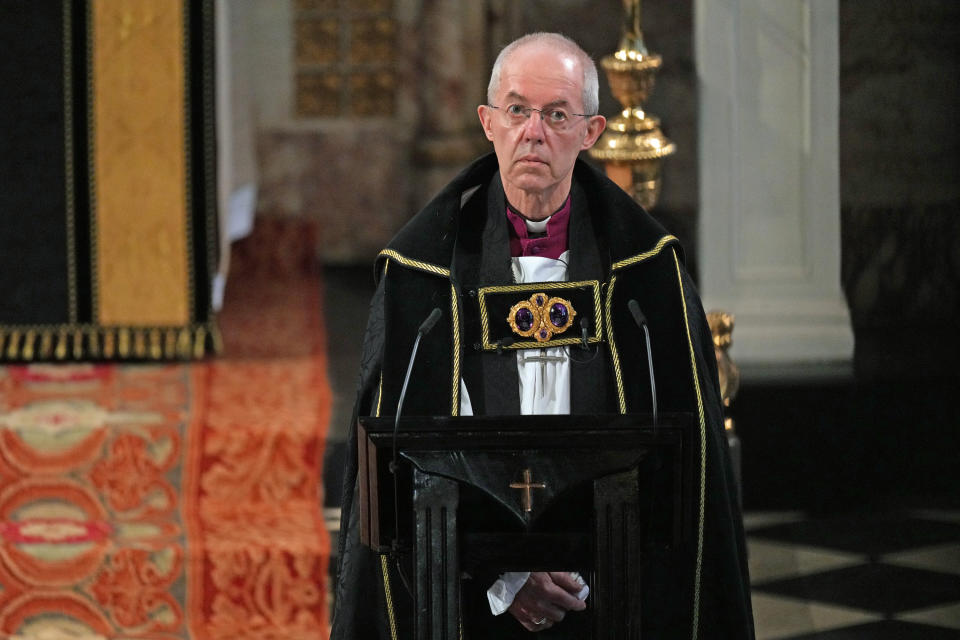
<point x="537" y="226"/>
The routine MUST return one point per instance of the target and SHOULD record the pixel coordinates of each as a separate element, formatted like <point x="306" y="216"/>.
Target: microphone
<point x="641" y="321"/>
<point x="428" y="323"/>
<point x="584" y="330"/>
<point x="503" y="343"/>
<point x="424" y="329"/>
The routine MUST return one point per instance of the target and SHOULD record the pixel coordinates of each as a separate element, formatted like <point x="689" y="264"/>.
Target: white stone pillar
<point x="236" y="157"/>
<point x="769" y="227"/>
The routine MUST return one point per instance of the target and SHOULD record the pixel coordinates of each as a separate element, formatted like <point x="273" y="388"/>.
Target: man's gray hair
<point x="591" y="85"/>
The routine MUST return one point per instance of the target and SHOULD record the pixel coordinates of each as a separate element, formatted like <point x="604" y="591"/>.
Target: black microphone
<point x="425" y="328"/>
<point x="584" y="331"/>
<point x="422" y="331"/>
<point x="641" y="321"/>
<point x="428" y="323"/>
<point x="638" y="316"/>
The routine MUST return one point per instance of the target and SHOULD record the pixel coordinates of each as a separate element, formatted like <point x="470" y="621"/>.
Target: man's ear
<point x="595" y="127"/>
<point x="486" y="120"/>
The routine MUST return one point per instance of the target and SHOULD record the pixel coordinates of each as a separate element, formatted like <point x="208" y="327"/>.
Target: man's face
<point x="533" y="157"/>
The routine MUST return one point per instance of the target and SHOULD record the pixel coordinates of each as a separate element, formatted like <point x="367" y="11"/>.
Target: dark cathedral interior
<point x="813" y="183"/>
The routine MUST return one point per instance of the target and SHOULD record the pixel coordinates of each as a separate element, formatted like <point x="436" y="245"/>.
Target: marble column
<point x="236" y="149"/>
<point x="769" y="236"/>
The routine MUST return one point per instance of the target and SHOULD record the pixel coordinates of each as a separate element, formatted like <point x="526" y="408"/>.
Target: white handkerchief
<point x="504" y="590"/>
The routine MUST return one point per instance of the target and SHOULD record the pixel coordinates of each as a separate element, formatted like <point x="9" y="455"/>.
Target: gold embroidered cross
<point x="527" y="485"/>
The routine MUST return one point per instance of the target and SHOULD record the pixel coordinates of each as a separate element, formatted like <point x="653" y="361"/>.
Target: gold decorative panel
<point x="318" y="94"/>
<point x="139" y="162"/>
<point x="316" y="5"/>
<point x="317" y="41"/>
<point x="345" y="58"/>
<point x="372" y="6"/>
<point x="373" y="93"/>
<point x="371" y="40"/>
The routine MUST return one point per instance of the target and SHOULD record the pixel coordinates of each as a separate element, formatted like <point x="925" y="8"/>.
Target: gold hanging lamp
<point x="632" y="146"/>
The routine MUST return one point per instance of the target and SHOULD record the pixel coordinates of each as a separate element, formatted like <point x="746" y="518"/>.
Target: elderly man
<point x="531" y="212"/>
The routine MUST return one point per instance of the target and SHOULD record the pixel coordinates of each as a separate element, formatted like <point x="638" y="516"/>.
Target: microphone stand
<point x="424" y="329"/>
<point x="641" y="321"/>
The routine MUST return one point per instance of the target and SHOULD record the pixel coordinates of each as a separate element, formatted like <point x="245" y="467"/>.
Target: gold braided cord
<point x="646" y="255"/>
<point x="558" y="342"/>
<point x="379" y="396"/>
<point x="703" y="454"/>
<point x="613" y="346"/>
<point x="386" y="591"/>
<point x="533" y="286"/>
<point x="386" y="266"/>
<point x="455" y="315"/>
<point x="415" y="264"/>
<point x="529" y="287"/>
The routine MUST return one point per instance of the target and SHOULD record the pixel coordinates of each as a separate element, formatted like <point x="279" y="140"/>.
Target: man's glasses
<point x="516" y="115"/>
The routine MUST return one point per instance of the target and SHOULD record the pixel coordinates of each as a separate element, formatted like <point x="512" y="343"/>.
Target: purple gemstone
<point x="543" y="333"/>
<point x="559" y="314"/>
<point x="539" y="300"/>
<point x="524" y="319"/>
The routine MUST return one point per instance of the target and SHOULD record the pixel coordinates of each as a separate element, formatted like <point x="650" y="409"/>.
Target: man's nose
<point x="533" y="128"/>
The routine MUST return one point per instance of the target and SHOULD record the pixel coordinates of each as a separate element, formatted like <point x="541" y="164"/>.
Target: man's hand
<point x="545" y="599"/>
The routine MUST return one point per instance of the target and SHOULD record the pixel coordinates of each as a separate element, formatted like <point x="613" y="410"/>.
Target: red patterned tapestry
<point x="172" y="501"/>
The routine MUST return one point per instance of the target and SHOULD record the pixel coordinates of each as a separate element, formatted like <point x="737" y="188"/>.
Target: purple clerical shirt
<point x="550" y="245"/>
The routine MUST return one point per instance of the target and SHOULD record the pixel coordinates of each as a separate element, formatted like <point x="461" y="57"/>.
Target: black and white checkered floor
<point x="893" y="575"/>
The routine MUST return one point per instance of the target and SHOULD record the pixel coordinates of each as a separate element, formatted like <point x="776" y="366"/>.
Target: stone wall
<point x="900" y="192"/>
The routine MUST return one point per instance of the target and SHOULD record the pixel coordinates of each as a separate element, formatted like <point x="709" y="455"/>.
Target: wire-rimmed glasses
<point x="516" y="115"/>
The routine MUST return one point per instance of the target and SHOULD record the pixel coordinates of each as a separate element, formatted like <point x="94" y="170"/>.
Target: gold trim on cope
<point x="646" y="255"/>
<point x="384" y="569"/>
<point x="618" y="377"/>
<point x="703" y="453"/>
<point x="386" y="265"/>
<point x="415" y="264"/>
<point x="455" y="318"/>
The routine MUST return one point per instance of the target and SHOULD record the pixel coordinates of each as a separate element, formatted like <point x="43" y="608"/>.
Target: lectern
<point x="560" y="492"/>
